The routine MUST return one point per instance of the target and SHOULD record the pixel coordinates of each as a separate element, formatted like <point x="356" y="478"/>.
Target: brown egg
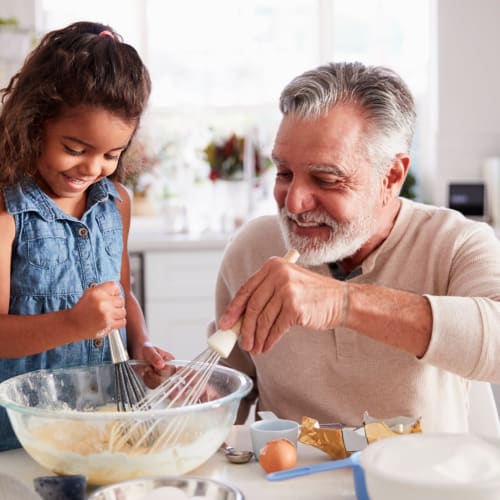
<point x="279" y="454"/>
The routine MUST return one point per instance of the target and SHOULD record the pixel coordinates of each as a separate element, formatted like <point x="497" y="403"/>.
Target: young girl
<point x="67" y="118"/>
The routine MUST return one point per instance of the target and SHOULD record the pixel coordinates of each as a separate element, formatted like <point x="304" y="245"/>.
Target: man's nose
<point x="299" y="198"/>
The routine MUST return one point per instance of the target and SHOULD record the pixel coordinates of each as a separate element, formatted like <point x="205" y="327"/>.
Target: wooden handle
<point x="292" y="256"/>
<point x="222" y="341"/>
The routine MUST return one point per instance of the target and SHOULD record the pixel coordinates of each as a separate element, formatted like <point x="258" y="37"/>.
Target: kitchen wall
<point x="468" y="79"/>
<point x="23" y="10"/>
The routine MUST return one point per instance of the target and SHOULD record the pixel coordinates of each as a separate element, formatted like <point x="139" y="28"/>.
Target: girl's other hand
<point x="154" y="355"/>
<point x="158" y="369"/>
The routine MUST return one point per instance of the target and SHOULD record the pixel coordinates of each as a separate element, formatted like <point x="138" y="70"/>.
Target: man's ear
<point x="396" y="175"/>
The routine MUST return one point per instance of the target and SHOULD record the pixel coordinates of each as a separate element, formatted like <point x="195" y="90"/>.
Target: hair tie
<point x="107" y="33"/>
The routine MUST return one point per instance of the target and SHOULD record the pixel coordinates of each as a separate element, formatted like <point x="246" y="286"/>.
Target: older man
<point x="393" y="305"/>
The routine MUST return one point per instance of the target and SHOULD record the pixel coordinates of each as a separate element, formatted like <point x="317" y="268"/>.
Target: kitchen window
<point x="220" y="65"/>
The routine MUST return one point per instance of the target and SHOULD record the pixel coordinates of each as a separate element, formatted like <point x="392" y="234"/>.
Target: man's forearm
<point x="397" y="318"/>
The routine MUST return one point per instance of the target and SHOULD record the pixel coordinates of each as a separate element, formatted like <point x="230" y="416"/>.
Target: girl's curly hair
<point x="75" y="66"/>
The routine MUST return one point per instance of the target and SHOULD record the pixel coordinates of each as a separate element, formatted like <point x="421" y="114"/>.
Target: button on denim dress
<point x="55" y="257"/>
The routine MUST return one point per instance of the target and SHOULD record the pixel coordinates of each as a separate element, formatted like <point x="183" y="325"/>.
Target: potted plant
<point x="233" y="191"/>
<point x="225" y="158"/>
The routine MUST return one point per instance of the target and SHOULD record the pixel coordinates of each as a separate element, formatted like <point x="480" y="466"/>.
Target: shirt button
<point x="83" y="232"/>
<point x="92" y="284"/>
<point x="98" y="342"/>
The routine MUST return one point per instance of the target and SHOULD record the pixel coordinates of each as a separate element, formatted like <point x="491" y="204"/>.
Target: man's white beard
<point x="344" y="240"/>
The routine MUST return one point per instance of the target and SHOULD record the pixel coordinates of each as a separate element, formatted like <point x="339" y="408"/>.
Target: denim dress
<point x="55" y="257"/>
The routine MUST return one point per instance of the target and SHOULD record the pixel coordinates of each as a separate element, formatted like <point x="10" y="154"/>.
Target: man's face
<point x="328" y="193"/>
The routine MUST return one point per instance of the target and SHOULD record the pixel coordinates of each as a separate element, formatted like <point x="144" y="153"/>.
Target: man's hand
<point x="281" y="295"/>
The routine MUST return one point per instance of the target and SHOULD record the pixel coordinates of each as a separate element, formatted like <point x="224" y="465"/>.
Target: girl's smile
<point x="77" y="183"/>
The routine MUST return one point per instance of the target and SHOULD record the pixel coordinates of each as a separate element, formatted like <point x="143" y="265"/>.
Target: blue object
<point x="61" y="487"/>
<point x="352" y="461"/>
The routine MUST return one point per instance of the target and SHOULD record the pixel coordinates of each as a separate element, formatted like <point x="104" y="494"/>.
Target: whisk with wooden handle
<point x="184" y="387"/>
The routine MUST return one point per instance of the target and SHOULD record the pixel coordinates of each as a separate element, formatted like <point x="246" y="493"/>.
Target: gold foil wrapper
<point x="330" y="441"/>
<point x="376" y="429"/>
<point x="340" y="441"/>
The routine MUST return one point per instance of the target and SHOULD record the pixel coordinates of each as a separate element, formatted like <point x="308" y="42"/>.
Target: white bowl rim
<point x="110" y="487"/>
<point x="245" y="388"/>
<point x="376" y="472"/>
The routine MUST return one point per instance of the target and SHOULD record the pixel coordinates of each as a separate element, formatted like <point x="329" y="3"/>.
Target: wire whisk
<point x="129" y="388"/>
<point x="187" y="386"/>
<point x="129" y="392"/>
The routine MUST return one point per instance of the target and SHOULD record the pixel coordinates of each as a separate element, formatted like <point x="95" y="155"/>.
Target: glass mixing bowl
<point x="66" y="419"/>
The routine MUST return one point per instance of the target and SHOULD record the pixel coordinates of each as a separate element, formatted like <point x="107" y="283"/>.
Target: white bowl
<point x="433" y="467"/>
<point x="57" y="416"/>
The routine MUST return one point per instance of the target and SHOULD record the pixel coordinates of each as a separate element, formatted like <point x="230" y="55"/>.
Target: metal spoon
<point x="235" y="456"/>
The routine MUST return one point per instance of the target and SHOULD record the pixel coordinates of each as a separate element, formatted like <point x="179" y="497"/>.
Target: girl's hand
<point x="158" y="369"/>
<point x="154" y="355"/>
<point x="99" y="310"/>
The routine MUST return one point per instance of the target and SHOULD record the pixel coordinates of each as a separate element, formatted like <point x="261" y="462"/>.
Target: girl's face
<point x="80" y="147"/>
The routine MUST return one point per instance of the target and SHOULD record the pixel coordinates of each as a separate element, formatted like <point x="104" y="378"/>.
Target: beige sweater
<point x="334" y="376"/>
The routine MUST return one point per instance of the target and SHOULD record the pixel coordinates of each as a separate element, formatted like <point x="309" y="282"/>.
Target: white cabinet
<point x="179" y="286"/>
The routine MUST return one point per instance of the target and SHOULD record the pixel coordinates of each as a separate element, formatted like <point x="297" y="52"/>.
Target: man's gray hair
<point x="381" y="93"/>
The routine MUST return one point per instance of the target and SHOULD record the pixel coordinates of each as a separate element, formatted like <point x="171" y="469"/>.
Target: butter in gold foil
<point x="376" y="429"/>
<point x="340" y="441"/>
<point x="330" y="441"/>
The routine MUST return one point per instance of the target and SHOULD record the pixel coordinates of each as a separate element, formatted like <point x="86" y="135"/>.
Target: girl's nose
<point x="91" y="167"/>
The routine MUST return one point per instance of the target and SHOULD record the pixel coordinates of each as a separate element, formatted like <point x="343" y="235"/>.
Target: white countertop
<point x="150" y="234"/>
<point x="249" y="478"/>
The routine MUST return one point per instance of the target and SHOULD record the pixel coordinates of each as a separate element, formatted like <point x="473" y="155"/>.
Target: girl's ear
<point x="395" y="176"/>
